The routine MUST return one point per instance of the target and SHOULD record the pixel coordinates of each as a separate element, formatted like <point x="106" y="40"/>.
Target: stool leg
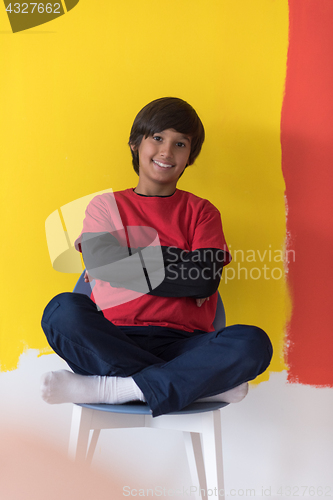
<point x="212" y="453"/>
<point x="196" y="464"/>
<point x="92" y="445"/>
<point x="79" y="434"/>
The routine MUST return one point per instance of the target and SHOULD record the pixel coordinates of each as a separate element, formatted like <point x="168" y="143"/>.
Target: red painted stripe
<point x="307" y="163"/>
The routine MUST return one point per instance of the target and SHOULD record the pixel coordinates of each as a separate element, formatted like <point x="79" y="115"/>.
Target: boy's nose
<point x="166" y="151"/>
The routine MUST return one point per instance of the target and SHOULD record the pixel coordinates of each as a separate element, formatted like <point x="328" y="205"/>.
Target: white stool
<point x="199" y="422"/>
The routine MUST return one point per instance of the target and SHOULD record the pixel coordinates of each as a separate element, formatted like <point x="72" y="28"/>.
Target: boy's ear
<point x="133" y="147"/>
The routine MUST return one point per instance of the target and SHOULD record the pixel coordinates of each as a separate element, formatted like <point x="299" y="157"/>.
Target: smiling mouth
<point x="163" y="165"/>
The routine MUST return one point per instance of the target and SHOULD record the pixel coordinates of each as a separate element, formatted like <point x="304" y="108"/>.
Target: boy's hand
<point x="87" y="278"/>
<point x="201" y="301"/>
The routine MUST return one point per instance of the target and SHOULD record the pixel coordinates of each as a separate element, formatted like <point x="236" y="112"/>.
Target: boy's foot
<point x="64" y="386"/>
<point x="232" y="396"/>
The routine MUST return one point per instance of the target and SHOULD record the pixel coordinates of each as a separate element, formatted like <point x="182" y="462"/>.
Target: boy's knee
<point x="255" y="345"/>
<point x="63" y="307"/>
<point x="263" y="349"/>
<point x="54" y="305"/>
<point x="68" y="302"/>
<point x="261" y="336"/>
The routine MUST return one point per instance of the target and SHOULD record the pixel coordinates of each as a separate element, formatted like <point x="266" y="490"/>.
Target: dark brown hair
<point x="162" y="114"/>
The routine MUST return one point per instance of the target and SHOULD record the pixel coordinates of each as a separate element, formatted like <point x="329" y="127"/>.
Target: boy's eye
<point x="181" y="144"/>
<point x="157" y="137"/>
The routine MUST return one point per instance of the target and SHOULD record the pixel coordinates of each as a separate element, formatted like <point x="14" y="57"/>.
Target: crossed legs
<point x="167" y="368"/>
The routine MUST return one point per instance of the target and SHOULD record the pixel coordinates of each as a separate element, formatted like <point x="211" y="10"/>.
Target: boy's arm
<point x="105" y="248"/>
<point x="194" y="274"/>
<point x="107" y="260"/>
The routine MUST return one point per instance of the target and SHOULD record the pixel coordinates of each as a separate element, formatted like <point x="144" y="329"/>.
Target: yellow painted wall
<point x="69" y="92"/>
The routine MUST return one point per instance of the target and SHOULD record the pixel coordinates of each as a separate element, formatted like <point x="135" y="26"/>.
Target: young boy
<point x="156" y="254"/>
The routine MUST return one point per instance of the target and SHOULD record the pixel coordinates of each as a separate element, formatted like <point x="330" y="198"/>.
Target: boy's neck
<point x="163" y="190"/>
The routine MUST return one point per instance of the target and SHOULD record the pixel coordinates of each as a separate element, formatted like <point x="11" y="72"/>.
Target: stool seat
<point x="138" y="408"/>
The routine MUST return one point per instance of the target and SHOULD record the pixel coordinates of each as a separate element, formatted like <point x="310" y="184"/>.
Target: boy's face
<point x="162" y="158"/>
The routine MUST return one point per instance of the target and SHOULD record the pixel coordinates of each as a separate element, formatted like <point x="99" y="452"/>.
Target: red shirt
<point x="183" y="221"/>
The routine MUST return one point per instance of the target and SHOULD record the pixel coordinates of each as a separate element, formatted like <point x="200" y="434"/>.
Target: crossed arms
<point x="168" y="271"/>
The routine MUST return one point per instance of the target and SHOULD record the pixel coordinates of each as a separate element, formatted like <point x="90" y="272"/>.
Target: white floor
<point x="277" y="443"/>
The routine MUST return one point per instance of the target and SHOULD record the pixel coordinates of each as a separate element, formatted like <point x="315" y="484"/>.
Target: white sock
<point x="64" y="386"/>
<point x="232" y="396"/>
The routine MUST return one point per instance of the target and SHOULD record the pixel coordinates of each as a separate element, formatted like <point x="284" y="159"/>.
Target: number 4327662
<point x="34" y="8"/>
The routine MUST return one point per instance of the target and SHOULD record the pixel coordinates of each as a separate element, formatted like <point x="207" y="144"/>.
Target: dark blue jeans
<point x="173" y="368"/>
